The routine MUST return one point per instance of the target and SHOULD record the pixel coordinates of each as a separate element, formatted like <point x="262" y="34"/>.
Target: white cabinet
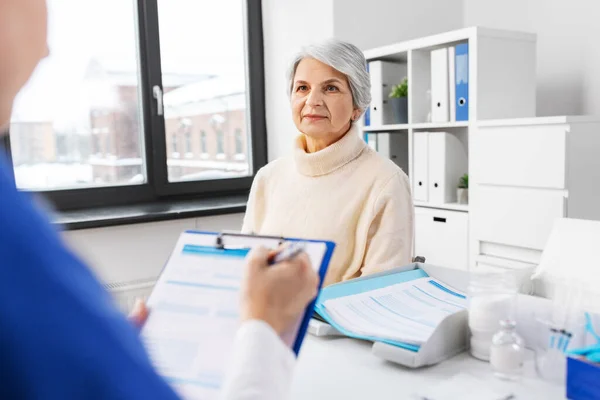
<point x="525" y="174"/>
<point x="526" y="156"/>
<point x="441" y="237"/>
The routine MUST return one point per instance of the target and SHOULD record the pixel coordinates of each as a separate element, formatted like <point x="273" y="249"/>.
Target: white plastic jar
<point x="492" y="297"/>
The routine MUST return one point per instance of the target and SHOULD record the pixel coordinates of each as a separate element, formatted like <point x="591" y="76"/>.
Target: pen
<point x="567" y="341"/>
<point x="553" y="333"/>
<point x="288" y="252"/>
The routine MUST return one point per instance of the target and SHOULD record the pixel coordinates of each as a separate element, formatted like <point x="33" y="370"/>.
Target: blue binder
<point x="462" y="82"/>
<point x="367" y="111"/>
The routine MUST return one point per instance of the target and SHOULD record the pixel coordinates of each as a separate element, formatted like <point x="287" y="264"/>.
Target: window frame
<point x="158" y="188"/>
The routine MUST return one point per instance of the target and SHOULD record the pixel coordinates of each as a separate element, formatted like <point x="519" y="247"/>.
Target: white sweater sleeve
<point x="390" y="235"/>
<point x="262" y="365"/>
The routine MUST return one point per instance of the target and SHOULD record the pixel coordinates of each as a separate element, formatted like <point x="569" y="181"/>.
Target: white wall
<point x="139" y="251"/>
<point x="288" y="25"/>
<point x="375" y="23"/>
<point x="568" y="53"/>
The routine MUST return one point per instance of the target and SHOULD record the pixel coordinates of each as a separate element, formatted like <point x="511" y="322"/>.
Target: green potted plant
<point x="399" y="102"/>
<point x="462" y="192"/>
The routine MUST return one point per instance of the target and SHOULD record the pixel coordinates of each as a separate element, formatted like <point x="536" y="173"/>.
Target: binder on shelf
<point x="395" y="147"/>
<point x="368" y="110"/>
<point x="439" y="85"/>
<point x="420" y="167"/>
<point x="451" y="82"/>
<point x="447" y="163"/>
<point x="383" y="75"/>
<point x="371" y="139"/>
<point x="462" y="82"/>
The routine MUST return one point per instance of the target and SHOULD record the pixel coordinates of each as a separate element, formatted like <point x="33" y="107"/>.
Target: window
<point x="174" y="144"/>
<point x="87" y="129"/>
<point x="203" y="142"/>
<point x="239" y="144"/>
<point x="188" y="142"/>
<point x="74" y="93"/>
<point x="220" y="143"/>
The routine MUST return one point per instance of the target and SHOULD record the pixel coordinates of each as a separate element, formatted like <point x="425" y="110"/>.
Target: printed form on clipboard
<point x="195" y="308"/>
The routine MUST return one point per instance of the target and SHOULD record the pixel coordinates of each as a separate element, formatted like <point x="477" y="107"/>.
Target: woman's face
<point x="23" y="26"/>
<point x="322" y="105"/>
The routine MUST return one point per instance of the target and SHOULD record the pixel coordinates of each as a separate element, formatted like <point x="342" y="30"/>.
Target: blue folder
<point x="363" y="285"/>
<point x="462" y="82"/>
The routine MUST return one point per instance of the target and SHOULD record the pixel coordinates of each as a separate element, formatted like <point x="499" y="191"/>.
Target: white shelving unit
<point x="502" y="67"/>
<point x="446" y="206"/>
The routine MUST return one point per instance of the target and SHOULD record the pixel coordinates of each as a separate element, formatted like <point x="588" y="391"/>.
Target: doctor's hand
<point x="139" y="314"/>
<point x="277" y="294"/>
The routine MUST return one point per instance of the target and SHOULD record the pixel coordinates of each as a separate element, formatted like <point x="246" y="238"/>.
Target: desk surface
<point x="342" y="368"/>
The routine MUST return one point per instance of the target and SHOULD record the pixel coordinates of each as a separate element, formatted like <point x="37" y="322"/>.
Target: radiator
<point x="126" y="293"/>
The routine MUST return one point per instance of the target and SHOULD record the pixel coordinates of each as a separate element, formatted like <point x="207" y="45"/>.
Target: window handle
<point x="158" y="95"/>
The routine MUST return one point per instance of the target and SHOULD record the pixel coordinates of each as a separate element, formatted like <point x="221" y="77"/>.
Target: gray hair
<point x="344" y="57"/>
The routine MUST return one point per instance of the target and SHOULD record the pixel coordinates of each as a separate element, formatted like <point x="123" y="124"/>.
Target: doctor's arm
<point x="273" y="299"/>
<point x="390" y="237"/>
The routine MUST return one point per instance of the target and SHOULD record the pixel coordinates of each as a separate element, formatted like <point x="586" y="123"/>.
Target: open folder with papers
<point x="406" y="308"/>
<point x="195" y="307"/>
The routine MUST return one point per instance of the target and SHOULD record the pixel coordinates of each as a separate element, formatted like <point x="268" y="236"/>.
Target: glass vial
<point x="507" y="351"/>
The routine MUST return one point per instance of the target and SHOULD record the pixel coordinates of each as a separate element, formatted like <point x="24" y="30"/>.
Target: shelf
<point x="386" y="128"/>
<point x="434" y="125"/>
<point x="447" y="206"/>
<point x="426" y="125"/>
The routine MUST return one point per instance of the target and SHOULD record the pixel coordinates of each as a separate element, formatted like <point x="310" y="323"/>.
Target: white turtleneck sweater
<point x="346" y="193"/>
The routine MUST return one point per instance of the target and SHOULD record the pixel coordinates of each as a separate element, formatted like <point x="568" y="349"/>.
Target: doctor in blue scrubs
<point x="60" y="336"/>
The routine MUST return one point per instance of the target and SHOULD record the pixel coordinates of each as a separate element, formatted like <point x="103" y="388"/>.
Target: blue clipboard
<point x="330" y="247"/>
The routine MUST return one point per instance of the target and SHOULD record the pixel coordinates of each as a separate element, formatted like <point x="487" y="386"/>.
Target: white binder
<point x="439" y="86"/>
<point x="420" y="173"/>
<point x="452" y="82"/>
<point x="395" y="147"/>
<point x="383" y="75"/>
<point x="447" y="163"/>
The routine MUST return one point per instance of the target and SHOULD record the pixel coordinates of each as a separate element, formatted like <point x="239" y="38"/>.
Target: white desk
<point x="342" y="368"/>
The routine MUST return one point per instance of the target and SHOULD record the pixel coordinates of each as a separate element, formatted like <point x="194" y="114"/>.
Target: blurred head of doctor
<point x="23" y="43"/>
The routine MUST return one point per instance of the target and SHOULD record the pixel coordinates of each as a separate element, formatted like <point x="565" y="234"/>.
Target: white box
<point x="442" y="237"/>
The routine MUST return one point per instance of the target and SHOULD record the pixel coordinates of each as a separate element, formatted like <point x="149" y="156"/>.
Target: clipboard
<point x="224" y="241"/>
<point x="199" y="284"/>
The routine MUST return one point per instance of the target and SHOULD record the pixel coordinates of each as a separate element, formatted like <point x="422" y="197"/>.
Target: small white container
<point x="507" y="352"/>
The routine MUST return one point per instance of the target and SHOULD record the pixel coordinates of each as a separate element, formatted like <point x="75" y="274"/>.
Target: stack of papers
<point x="407" y="312"/>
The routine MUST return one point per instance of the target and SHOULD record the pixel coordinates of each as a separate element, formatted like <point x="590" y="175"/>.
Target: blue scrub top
<point x="60" y="335"/>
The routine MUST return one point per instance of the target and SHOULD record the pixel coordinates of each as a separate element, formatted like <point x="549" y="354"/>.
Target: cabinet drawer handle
<point x="439" y="219"/>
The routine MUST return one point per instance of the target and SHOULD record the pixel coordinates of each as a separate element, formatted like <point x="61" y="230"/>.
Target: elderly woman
<point x="334" y="186"/>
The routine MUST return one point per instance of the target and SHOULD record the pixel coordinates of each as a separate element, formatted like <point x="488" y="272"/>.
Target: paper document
<point x="407" y="312"/>
<point x="195" y="313"/>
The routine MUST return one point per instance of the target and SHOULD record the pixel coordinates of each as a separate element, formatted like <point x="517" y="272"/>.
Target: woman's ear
<point x="355" y="114"/>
